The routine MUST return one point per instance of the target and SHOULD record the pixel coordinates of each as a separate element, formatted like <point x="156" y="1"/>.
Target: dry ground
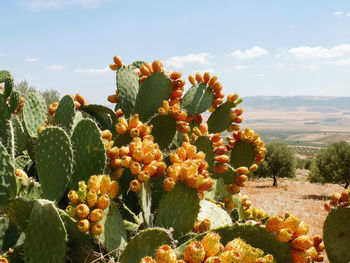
<point x="297" y="196"/>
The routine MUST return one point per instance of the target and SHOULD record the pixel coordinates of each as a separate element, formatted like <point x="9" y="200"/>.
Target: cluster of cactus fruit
<point x="152" y="180"/>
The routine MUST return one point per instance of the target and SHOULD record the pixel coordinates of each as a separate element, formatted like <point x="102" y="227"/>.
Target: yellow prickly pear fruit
<point x="96" y="215"/>
<point x="191" y="79"/>
<point x="230" y="257"/>
<point x="232" y="97"/>
<point x="274" y="223"/>
<point x="93" y="183"/>
<point x="135" y="168"/>
<point x="113" y="192"/>
<point x="211" y="244"/>
<point x="135" y="186"/>
<point x="165" y="254"/>
<point x="103" y="201"/>
<point x="83" y="225"/>
<point x="73" y="197"/>
<point x="302" y="243"/>
<point x="292" y="223"/>
<point x="194" y="252"/>
<point x="120" y="128"/>
<point x="302" y="229"/>
<point x="143" y="177"/>
<point x="127" y="161"/>
<point x="105" y="184"/>
<point x="284" y="235"/>
<point x="117" y="173"/>
<point x="213" y="260"/>
<point x="147" y="260"/>
<point x="96" y="229"/>
<point x="312" y="253"/>
<point x="70" y="210"/>
<point x="113" y="67"/>
<point x="299" y="256"/>
<point x="82" y="211"/>
<point x="91" y="198"/>
<point x="106" y="134"/>
<point x="242" y="170"/>
<point x="118" y="61"/>
<point x="138" y="155"/>
<point x="253" y="168"/>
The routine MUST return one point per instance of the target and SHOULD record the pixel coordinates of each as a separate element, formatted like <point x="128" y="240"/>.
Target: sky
<point x="271" y="47"/>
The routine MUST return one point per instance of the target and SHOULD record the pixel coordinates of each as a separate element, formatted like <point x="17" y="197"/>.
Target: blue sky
<point x="254" y="47"/>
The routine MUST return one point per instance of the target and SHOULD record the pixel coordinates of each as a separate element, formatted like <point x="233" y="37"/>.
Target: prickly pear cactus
<point x="147" y="181"/>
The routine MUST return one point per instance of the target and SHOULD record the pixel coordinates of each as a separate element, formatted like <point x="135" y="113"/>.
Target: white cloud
<point x="62" y="4"/>
<point x="306" y="52"/>
<point x="210" y="70"/>
<point x="249" y="53"/>
<point x="93" y="72"/>
<point x="31" y="60"/>
<point x="56" y="67"/>
<point x="238" y="67"/>
<point x="338" y="13"/>
<point x="257" y="75"/>
<point x="296" y="66"/>
<point x="181" y="61"/>
<point x="341" y="62"/>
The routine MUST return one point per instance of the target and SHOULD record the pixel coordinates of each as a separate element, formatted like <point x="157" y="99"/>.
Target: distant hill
<point x="316" y="103"/>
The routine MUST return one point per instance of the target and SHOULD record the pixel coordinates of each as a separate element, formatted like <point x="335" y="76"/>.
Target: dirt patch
<point x="301" y="198"/>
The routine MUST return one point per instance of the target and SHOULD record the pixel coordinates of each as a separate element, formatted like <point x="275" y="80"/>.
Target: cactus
<point x="109" y="176"/>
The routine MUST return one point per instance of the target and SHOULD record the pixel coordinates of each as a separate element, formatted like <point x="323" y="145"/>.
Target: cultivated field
<point x="296" y="196"/>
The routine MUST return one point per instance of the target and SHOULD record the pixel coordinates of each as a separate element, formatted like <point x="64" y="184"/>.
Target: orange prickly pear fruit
<point x="135" y="186"/>
<point x="300" y="256"/>
<point x="253" y="168"/>
<point x="274" y="223"/>
<point x="118" y="61"/>
<point x="232" y="97"/>
<point x="312" y="253"/>
<point x="113" y="98"/>
<point x="165" y="254"/>
<point x="204" y="226"/>
<point x="113" y="67"/>
<point x="103" y="201"/>
<point x="179" y="83"/>
<point x="292" y="223"/>
<point x="96" y="215"/>
<point x="191" y="79"/>
<point x="175" y="75"/>
<point x="203" y="128"/>
<point x="194" y="252"/>
<point x="212" y="80"/>
<point x="144" y="71"/>
<point x="302" y="243"/>
<point x="147" y="260"/>
<point x="211" y="244"/>
<point x="206" y="77"/>
<point x="135" y="168"/>
<point x="105" y="184"/>
<point x="169" y="184"/>
<point x="91" y="198"/>
<point x="82" y="211"/>
<point x="83" y="225"/>
<point x="230" y="256"/>
<point x="284" y="235"/>
<point x="96" y="229"/>
<point x="302" y="229"/>
<point x="80" y="98"/>
<point x="199" y="77"/>
<point x="213" y="260"/>
<point x="120" y="128"/>
<point x="222" y="158"/>
<point x="143" y="177"/>
<point x="21" y="174"/>
<point x="113" y="192"/>
<point x="335" y="198"/>
<point x="242" y="170"/>
<point x="157" y="65"/>
<point x="317" y="240"/>
<point x="220" y="169"/>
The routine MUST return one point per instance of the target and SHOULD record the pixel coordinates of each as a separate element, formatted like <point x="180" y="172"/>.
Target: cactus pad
<point x="205" y="145"/>
<point x="197" y="99"/>
<point x="4" y="75"/>
<point x="89" y="151"/>
<point x="164" y="130"/>
<point x="242" y="154"/>
<point x="145" y="198"/>
<point x="54" y="160"/>
<point x="218" y="217"/>
<point x="65" y="113"/>
<point x="138" y="63"/>
<point x="220" y="119"/>
<point x="8" y="186"/>
<point x="181" y="219"/>
<point x="21" y="136"/>
<point x="254" y="235"/>
<point x="153" y="91"/>
<point x="34" y="113"/>
<point x="46" y="236"/>
<point x="145" y="244"/>
<point x="14" y="100"/>
<point x="128" y="87"/>
<point x="103" y="115"/>
<point x="336" y="234"/>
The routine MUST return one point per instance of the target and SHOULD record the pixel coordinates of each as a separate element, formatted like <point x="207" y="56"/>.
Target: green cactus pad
<point x="65" y="113"/>
<point x="10" y="235"/>
<point x="220" y="119"/>
<point x="128" y="87"/>
<point x="4" y="75"/>
<point x="255" y="235"/>
<point x="103" y="115"/>
<point x="9" y="84"/>
<point x="122" y="139"/>
<point x="54" y="160"/>
<point x="228" y="177"/>
<point x="14" y="100"/>
<point x="19" y="210"/>
<point x="145" y="243"/>
<point x="77" y="117"/>
<point x="22" y="161"/>
<point x="242" y="154"/>
<point x="34" y="113"/>
<point x="138" y="64"/>
<point x="8" y="186"/>
<point x="153" y="91"/>
<point x="114" y="234"/>
<point x="164" y="130"/>
<point x="21" y="136"/>
<point x="205" y="145"/>
<point x="197" y="99"/>
<point x="218" y="217"/>
<point x="336" y="235"/>
<point x="181" y="219"/>
<point x="89" y="151"/>
<point x="145" y="199"/>
<point x="46" y="236"/>
<point x="28" y="189"/>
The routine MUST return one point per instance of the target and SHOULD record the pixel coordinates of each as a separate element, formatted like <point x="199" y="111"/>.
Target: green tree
<point x="332" y="165"/>
<point x="279" y="162"/>
<point x="50" y="95"/>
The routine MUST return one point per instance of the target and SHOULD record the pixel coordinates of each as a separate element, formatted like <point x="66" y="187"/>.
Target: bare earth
<point x="301" y="198"/>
